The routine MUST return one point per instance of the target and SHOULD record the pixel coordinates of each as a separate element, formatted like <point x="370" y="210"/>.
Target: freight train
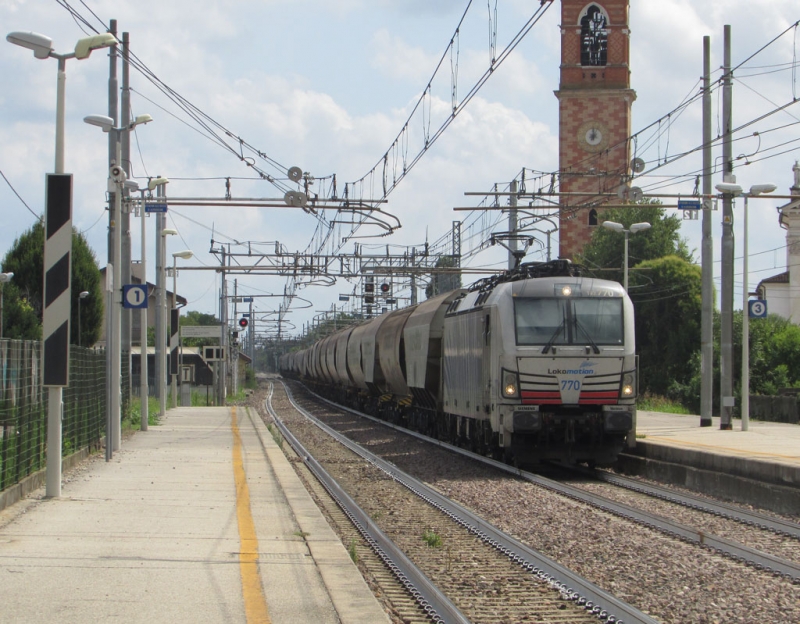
<point x="537" y="363"/>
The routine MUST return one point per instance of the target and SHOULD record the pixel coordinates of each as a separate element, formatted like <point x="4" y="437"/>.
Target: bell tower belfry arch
<point x="595" y="99"/>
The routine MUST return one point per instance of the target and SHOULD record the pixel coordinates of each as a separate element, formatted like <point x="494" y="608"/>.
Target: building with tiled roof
<point x="782" y="291"/>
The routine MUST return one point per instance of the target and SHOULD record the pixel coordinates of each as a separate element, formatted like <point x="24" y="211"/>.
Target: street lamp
<point x="183" y="255"/>
<point x="42" y="47"/>
<point x="4" y="277"/>
<point x="618" y="227"/>
<point x="736" y="190"/>
<point x="116" y="184"/>
<point x="83" y="294"/>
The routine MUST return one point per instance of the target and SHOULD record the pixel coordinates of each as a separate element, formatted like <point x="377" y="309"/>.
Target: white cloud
<point x="328" y="85"/>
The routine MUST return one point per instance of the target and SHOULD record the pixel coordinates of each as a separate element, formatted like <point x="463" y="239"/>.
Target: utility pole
<point x="726" y="291"/>
<point x="251" y="327"/>
<point x="234" y="347"/>
<point x="125" y="216"/>
<point x="222" y="364"/>
<point x="161" y="304"/>
<point x="707" y="255"/>
<point x="512" y="227"/>
<point x="413" y="279"/>
<point x="112" y="228"/>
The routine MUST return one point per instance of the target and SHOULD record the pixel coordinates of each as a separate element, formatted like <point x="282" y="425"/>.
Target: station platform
<point x="759" y="466"/>
<point x="199" y="519"/>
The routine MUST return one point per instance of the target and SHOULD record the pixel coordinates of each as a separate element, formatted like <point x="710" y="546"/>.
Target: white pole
<point x="144" y="391"/>
<point x="175" y="305"/>
<point x="745" y="330"/>
<point x="116" y="343"/>
<point x="625" y="271"/>
<point x="162" y="304"/>
<point x="55" y="396"/>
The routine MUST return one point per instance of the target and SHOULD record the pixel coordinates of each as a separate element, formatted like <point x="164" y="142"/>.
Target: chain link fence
<point x="23" y="406"/>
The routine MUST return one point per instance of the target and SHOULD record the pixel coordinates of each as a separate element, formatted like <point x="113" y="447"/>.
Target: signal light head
<point x="385" y="288"/>
<point x="242" y="322"/>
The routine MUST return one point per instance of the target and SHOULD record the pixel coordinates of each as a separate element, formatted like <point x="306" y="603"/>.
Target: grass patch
<point x="432" y="539"/>
<point x="276" y="435"/>
<point x="351" y="550"/>
<point x="135" y="421"/>
<point x="651" y="403"/>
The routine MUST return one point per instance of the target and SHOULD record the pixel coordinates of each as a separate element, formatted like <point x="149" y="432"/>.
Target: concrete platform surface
<point x="760" y="466"/>
<point x="199" y="519"/>
<point x="768" y="441"/>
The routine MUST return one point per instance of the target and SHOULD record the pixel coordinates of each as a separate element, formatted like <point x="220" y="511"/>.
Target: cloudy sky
<point x="328" y="85"/>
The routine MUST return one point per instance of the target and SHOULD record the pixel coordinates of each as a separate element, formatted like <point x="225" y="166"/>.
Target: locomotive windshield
<point x="567" y="321"/>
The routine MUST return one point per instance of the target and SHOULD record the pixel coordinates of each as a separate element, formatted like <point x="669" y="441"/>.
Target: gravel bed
<point x="752" y="537"/>
<point x="482" y="582"/>
<point x="673" y="581"/>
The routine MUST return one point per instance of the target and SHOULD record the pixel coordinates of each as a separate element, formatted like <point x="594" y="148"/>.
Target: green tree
<point x="667" y="301"/>
<point x="604" y="254"/>
<point x="26" y="260"/>
<point x="19" y="318"/>
<point x="193" y="319"/>
<point x="774" y="353"/>
<point x="664" y="285"/>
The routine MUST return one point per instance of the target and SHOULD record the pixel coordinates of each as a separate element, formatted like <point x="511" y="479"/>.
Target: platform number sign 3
<point x="757" y="308"/>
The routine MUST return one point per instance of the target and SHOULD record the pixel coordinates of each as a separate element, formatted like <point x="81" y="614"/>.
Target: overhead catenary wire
<point x="24" y="203"/>
<point x="401" y="157"/>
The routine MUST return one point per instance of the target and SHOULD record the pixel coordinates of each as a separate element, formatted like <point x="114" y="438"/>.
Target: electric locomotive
<point x="537" y="363"/>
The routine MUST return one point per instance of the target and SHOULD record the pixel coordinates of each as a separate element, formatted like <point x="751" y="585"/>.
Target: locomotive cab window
<point x="563" y="321"/>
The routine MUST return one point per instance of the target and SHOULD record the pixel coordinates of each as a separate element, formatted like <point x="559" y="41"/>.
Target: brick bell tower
<point x="595" y="101"/>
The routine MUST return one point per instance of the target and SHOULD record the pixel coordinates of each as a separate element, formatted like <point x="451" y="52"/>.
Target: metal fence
<point x="23" y="406"/>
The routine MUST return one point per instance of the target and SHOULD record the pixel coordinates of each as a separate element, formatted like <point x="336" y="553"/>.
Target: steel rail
<point x="738" y="552"/>
<point x="606" y="606"/>
<point x="438" y="607"/>
<point x="731" y="512"/>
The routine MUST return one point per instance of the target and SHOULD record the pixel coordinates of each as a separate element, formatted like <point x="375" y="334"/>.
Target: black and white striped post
<point x="56" y="315"/>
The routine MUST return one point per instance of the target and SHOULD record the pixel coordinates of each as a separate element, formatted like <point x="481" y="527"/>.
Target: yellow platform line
<point x="255" y="604"/>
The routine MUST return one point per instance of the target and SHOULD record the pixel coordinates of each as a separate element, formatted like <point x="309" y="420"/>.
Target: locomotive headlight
<point x="627" y="391"/>
<point x="628" y="388"/>
<point x="567" y="290"/>
<point x="510" y="385"/>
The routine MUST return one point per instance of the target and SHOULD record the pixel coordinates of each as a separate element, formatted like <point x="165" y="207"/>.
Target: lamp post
<point x="184" y="255"/>
<point x="42" y="47"/>
<point x="83" y="294"/>
<point x="736" y="190"/>
<point x="4" y="277"/>
<point x="161" y="319"/>
<point x="618" y="227"/>
<point x="116" y="184"/>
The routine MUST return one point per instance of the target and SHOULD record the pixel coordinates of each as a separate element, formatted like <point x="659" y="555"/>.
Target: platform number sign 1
<point x="134" y="296"/>
<point x="757" y="308"/>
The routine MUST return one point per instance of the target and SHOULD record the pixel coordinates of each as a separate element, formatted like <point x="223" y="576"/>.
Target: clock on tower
<point x="595" y="101"/>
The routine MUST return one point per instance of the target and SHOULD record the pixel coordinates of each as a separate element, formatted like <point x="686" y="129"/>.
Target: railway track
<point x="777" y="537"/>
<point x="781" y="558"/>
<point x="490" y="576"/>
<point x="666" y="576"/>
